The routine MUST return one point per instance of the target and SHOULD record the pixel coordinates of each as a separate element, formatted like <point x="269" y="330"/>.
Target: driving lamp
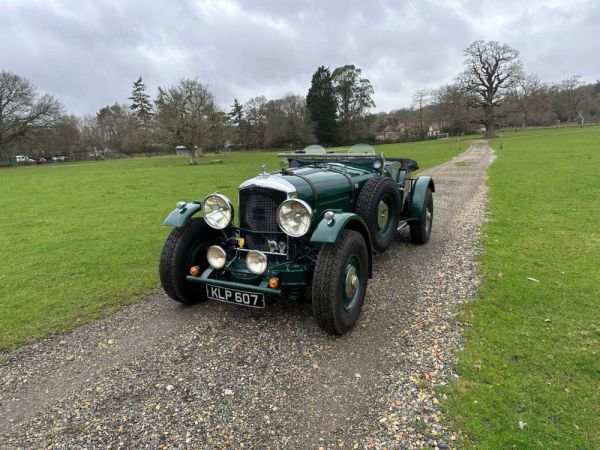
<point x="256" y="262"/>
<point x="216" y="257"/>
<point x="294" y="217"/>
<point x="218" y="211"/>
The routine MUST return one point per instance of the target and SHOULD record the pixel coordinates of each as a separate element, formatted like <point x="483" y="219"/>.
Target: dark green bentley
<point x="307" y="231"/>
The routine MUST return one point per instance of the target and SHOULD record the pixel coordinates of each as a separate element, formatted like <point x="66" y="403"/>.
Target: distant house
<point x="434" y="129"/>
<point x="395" y="132"/>
<point x="389" y="133"/>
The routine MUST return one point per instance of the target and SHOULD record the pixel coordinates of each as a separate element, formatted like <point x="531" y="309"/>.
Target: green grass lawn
<point x="79" y="240"/>
<point x="533" y="347"/>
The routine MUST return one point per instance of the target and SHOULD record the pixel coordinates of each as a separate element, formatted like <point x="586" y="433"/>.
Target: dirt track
<point x="216" y="375"/>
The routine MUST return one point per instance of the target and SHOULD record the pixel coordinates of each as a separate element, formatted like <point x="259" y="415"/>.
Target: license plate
<point x="252" y="299"/>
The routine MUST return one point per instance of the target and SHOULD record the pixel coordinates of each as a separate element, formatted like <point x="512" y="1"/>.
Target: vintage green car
<point x="308" y="231"/>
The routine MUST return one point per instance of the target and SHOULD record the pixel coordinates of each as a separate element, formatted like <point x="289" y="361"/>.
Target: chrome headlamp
<point x="218" y="211"/>
<point x="294" y="217"/>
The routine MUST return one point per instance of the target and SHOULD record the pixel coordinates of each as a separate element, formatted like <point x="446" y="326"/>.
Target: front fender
<point x="329" y="231"/>
<point x="419" y="190"/>
<point x="179" y="217"/>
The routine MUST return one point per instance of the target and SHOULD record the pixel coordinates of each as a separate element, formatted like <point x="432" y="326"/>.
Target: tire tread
<point x="417" y="228"/>
<point x="175" y="243"/>
<point x="328" y="267"/>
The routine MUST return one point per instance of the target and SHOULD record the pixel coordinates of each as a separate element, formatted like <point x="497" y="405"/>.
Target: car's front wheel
<point x="340" y="283"/>
<point x="186" y="247"/>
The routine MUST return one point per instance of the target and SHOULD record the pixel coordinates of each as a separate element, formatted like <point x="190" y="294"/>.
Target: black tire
<point x="420" y="230"/>
<point x="186" y="247"/>
<point x="379" y="196"/>
<point x="336" y="312"/>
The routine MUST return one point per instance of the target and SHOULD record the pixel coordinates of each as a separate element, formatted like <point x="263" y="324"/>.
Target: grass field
<point x="533" y="341"/>
<point x="80" y="240"/>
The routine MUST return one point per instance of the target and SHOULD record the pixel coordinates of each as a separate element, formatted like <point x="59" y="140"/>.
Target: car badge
<point x="241" y="242"/>
<point x="282" y="246"/>
<point x="273" y="246"/>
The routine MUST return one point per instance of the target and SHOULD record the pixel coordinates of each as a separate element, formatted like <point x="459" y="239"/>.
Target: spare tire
<point x="379" y="205"/>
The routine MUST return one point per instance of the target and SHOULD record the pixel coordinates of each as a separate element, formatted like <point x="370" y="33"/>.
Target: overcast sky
<point x="88" y="53"/>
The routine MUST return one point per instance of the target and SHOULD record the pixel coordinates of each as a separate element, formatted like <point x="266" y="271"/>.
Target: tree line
<point x="183" y="115"/>
<point x="492" y="91"/>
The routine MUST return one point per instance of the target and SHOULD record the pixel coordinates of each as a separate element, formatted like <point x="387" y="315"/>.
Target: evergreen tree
<point x="236" y="114"/>
<point x="141" y="104"/>
<point x="354" y="100"/>
<point x="322" y="106"/>
<point x="235" y="117"/>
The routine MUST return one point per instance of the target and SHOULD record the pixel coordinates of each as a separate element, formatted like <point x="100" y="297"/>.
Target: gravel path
<point x="159" y="375"/>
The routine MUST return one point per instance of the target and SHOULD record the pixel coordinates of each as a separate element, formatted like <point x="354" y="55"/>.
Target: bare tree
<point x="118" y="127"/>
<point x="22" y="110"/>
<point x="255" y="121"/>
<point x="187" y="115"/>
<point x="570" y="99"/>
<point x="530" y="97"/>
<point x="420" y="100"/>
<point x="91" y="140"/>
<point x="491" y="70"/>
<point x="288" y="122"/>
<point x="62" y="138"/>
<point x="451" y="105"/>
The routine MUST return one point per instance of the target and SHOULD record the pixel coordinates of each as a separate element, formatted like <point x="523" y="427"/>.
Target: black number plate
<point x="252" y="299"/>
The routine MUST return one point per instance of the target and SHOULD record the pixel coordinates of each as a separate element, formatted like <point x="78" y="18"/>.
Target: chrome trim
<point x="266" y="253"/>
<point x="275" y="182"/>
<point x="342" y="156"/>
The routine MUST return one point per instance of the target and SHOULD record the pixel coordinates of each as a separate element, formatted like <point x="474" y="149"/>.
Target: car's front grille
<point x="258" y="208"/>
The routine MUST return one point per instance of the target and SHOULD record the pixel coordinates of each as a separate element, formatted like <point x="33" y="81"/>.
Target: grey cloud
<point x="89" y="53"/>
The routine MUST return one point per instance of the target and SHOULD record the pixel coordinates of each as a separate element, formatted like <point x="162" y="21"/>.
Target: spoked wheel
<point x="379" y="205"/>
<point x="340" y="283"/>
<point x="420" y="230"/>
<point x="186" y="247"/>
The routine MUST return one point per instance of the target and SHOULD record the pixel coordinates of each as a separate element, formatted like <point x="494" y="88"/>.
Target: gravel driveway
<point x="160" y="375"/>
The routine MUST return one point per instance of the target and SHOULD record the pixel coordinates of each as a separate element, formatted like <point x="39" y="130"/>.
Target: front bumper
<point x="263" y="287"/>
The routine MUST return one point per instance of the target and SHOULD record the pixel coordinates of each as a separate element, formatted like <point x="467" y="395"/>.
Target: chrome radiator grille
<point x="258" y="208"/>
